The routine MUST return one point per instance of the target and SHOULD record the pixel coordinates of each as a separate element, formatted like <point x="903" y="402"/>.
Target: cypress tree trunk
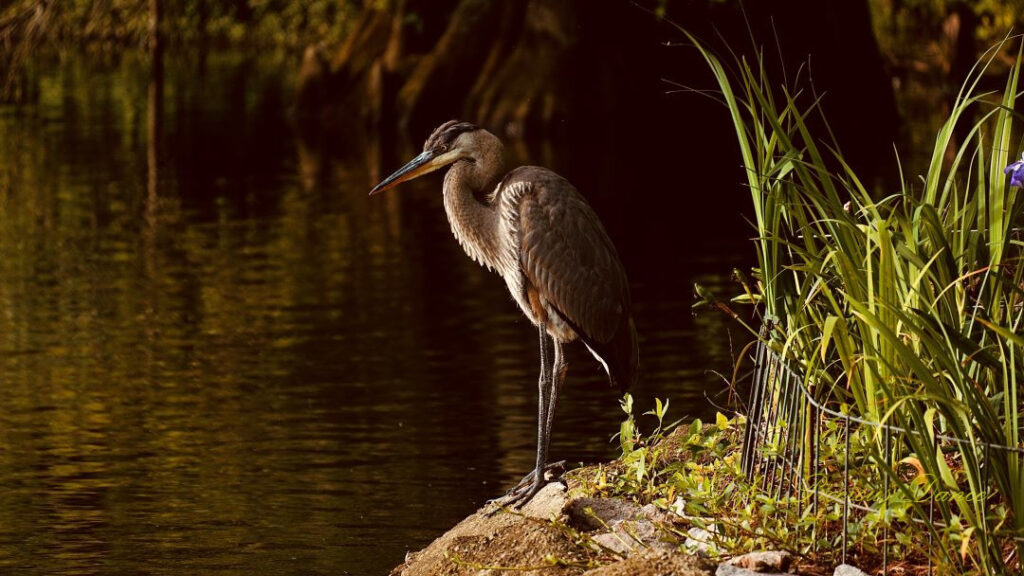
<point x="156" y="16"/>
<point x="528" y="65"/>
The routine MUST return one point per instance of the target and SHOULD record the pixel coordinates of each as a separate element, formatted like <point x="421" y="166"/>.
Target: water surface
<point x="218" y="356"/>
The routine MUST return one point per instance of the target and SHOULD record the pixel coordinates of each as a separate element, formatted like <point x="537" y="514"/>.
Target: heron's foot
<point x="552" y="471"/>
<point x="517" y="497"/>
<point x="528" y="487"/>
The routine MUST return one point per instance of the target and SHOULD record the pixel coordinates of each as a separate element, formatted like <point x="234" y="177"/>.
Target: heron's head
<point x="449" y="143"/>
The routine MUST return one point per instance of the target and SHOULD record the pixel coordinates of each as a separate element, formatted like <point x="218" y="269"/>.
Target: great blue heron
<point x="534" y="229"/>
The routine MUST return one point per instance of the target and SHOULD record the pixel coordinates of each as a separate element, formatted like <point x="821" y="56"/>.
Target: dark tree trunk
<point x="525" y="79"/>
<point x="156" y="16"/>
<point x="438" y="85"/>
<point x="962" y="24"/>
<point x="540" y="65"/>
<point x="495" y="61"/>
<point x="243" y="12"/>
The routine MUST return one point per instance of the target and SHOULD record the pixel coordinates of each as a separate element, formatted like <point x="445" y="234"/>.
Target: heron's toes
<point x="528" y="487"/>
<point x="518" y="497"/>
<point x="552" y="472"/>
<point x="525" y="494"/>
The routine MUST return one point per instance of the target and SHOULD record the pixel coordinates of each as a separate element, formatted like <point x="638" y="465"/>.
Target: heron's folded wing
<point x="567" y="255"/>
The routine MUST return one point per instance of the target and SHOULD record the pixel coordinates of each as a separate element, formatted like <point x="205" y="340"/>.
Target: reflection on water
<point x="252" y="368"/>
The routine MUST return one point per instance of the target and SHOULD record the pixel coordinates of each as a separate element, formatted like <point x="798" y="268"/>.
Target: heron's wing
<point x="567" y="256"/>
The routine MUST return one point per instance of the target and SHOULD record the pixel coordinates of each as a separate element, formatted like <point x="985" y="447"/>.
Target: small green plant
<point x="643" y="455"/>
<point x="694" y="471"/>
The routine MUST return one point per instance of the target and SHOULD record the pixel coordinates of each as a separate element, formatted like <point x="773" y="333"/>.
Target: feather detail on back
<point x="565" y="255"/>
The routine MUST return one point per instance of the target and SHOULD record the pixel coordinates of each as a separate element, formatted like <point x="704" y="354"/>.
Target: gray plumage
<point x="534" y="229"/>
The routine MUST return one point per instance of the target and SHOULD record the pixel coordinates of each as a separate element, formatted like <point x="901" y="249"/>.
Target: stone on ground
<point x="766" y="561"/>
<point x="730" y="570"/>
<point x="847" y="570"/>
<point x="622" y="526"/>
<point x="699" y="542"/>
<point x="631" y="536"/>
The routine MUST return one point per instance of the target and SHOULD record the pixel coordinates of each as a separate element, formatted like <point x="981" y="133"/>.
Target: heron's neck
<point x="474" y="222"/>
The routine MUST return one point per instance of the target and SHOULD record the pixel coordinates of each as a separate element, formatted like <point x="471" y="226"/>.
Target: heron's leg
<point x="544" y="387"/>
<point x="559" y="367"/>
<point x="543" y="393"/>
<point x="558" y="370"/>
<point x="543" y="406"/>
<point x="554" y="469"/>
<point x="534" y="481"/>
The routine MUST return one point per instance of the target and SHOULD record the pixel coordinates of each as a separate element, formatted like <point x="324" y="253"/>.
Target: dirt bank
<point x="558" y="533"/>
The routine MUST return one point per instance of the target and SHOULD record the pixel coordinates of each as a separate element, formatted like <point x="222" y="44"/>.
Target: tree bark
<point x="156" y="16"/>
<point x="525" y="79"/>
<point x="536" y="65"/>
<point x="440" y="81"/>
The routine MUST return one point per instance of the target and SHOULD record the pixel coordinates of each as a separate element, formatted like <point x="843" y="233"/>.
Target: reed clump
<point x="903" y="309"/>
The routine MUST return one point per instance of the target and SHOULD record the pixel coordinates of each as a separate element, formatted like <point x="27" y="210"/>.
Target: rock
<point x="655" y="563"/>
<point x="767" y="561"/>
<point x="730" y="570"/>
<point x="603" y="512"/>
<point x="847" y="570"/>
<point x="528" y="541"/>
<point x="547" y="503"/>
<point x="679" y="507"/>
<point x="615" y="543"/>
<point x="628" y="537"/>
<point x="655" y="514"/>
<point x="641" y="530"/>
<point x="625" y="528"/>
<point x="699" y="542"/>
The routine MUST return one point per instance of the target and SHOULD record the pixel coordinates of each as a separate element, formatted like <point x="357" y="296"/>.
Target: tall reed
<point x="906" y="307"/>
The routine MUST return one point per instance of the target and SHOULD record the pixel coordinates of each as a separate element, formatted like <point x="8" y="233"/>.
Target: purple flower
<point x="1017" y="169"/>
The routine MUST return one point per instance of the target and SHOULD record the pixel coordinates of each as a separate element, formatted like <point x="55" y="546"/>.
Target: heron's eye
<point x="444" y="147"/>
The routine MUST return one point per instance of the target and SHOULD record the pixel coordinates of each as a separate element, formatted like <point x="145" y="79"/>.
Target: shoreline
<point x="566" y="530"/>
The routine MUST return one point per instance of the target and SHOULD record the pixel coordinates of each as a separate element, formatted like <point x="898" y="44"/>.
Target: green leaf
<point x="695" y="426"/>
<point x="627" y="403"/>
<point x="826" y="335"/>
<point x="626" y="436"/>
<point x="944" y="472"/>
<point x="721" y="421"/>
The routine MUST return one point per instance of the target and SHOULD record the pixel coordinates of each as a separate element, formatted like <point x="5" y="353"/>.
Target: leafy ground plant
<point x="694" y="470"/>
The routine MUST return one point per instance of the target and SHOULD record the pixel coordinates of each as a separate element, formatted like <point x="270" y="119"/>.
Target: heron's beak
<point x="424" y="163"/>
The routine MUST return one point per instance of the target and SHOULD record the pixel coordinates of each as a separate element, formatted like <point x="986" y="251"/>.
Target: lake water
<point x="219" y="356"/>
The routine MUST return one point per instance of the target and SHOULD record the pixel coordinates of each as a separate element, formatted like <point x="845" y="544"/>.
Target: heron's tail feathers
<point x="624" y="364"/>
<point x="620" y="357"/>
